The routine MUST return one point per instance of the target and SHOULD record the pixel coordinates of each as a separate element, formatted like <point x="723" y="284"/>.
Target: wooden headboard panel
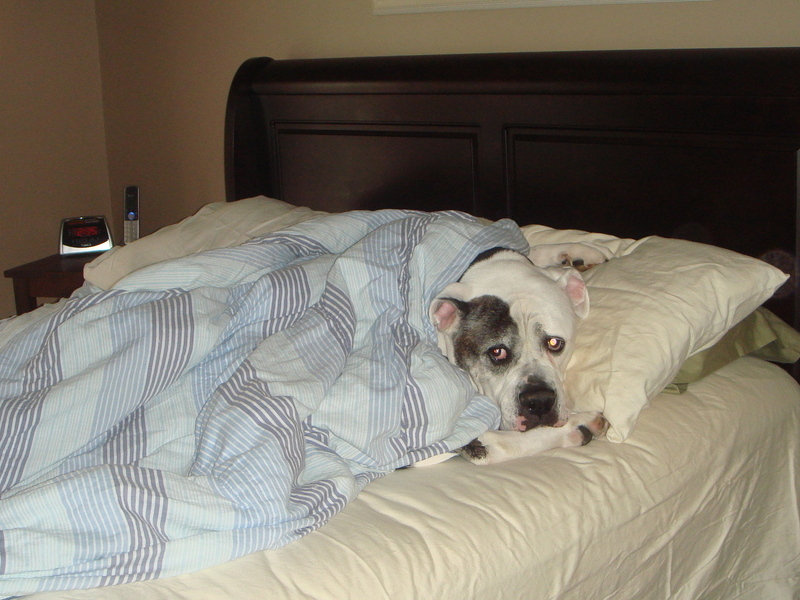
<point x="698" y="144"/>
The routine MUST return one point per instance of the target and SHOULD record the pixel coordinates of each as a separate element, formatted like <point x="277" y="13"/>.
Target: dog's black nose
<point x="536" y="402"/>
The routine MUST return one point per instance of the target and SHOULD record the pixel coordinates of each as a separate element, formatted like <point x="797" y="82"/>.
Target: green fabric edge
<point x="762" y="334"/>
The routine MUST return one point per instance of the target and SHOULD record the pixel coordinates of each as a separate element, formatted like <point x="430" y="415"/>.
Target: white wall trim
<point x="393" y="7"/>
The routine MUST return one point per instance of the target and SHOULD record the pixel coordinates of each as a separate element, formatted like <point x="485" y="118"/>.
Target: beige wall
<point x="166" y="66"/>
<point x="52" y="141"/>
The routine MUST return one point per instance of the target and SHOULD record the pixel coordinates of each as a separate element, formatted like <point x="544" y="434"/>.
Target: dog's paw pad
<point x="474" y="451"/>
<point x="586" y="429"/>
<point x="597" y="426"/>
<point x="565" y="260"/>
<point x="582" y="266"/>
<point x="588" y="436"/>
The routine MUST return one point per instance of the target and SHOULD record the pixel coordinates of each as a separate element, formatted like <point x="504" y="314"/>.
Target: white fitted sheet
<point x="700" y="502"/>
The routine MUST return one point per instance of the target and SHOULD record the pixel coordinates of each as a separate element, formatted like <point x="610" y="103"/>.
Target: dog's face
<point x="510" y="326"/>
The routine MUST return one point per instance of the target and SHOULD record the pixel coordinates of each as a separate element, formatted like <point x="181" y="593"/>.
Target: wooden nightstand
<point x="55" y="276"/>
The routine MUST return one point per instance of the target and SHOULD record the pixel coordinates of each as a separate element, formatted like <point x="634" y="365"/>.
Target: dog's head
<point x="510" y="325"/>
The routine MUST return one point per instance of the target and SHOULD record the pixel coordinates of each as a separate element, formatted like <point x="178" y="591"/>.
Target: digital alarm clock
<point x="80" y="235"/>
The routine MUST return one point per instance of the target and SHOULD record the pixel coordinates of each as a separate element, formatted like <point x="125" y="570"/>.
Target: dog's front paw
<point x="591" y="258"/>
<point x="495" y="446"/>
<point x="579" y="256"/>
<point x="586" y="426"/>
<point x="475" y="451"/>
<point x="490" y="448"/>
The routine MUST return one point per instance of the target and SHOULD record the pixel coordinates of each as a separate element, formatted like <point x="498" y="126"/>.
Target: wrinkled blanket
<point x="230" y="401"/>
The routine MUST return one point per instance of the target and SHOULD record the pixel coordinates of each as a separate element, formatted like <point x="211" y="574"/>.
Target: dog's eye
<point x="555" y="344"/>
<point x="499" y="354"/>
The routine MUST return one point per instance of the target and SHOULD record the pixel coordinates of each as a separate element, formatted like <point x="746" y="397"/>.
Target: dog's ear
<point x="448" y="308"/>
<point x="572" y="282"/>
<point x="577" y="292"/>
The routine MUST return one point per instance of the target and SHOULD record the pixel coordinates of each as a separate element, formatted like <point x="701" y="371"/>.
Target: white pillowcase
<point x="660" y="302"/>
<point x="216" y="225"/>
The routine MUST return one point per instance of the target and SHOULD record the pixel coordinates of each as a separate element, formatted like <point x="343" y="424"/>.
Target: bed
<point x="681" y="165"/>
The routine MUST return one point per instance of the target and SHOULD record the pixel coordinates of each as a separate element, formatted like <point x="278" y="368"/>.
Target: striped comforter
<point x="230" y="401"/>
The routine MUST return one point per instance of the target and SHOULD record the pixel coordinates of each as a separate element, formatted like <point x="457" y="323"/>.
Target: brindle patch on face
<point x="486" y="322"/>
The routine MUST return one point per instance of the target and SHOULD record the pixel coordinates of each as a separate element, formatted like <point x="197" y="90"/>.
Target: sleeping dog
<point x="510" y="325"/>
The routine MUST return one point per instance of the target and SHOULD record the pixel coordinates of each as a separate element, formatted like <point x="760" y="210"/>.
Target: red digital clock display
<point x="85" y="231"/>
<point x="84" y="234"/>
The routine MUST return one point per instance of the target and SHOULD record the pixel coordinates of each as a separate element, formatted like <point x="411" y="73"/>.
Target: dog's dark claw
<point x="587" y="435"/>
<point x="473" y="450"/>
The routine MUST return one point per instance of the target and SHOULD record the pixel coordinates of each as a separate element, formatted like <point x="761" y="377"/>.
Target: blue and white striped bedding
<point x="230" y="401"/>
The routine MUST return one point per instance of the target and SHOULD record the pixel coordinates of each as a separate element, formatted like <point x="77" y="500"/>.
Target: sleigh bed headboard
<point x="697" y="144"/>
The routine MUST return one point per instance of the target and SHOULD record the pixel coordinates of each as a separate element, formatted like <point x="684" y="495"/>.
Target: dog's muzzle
<point x="536" y="400"/>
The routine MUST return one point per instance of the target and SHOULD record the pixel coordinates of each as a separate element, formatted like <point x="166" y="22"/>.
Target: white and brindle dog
<point x="510" y="324"/>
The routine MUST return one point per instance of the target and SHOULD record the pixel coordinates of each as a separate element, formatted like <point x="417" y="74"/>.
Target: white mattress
<point x="700" y="502"/>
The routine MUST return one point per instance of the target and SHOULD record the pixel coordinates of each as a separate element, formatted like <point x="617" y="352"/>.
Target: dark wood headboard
<point x="698" y="144"/>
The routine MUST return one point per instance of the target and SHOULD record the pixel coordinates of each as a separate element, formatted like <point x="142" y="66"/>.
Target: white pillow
<point x="660" y="302"/>
<point x="609" y="245"/>
<point x="216" y="225"/>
